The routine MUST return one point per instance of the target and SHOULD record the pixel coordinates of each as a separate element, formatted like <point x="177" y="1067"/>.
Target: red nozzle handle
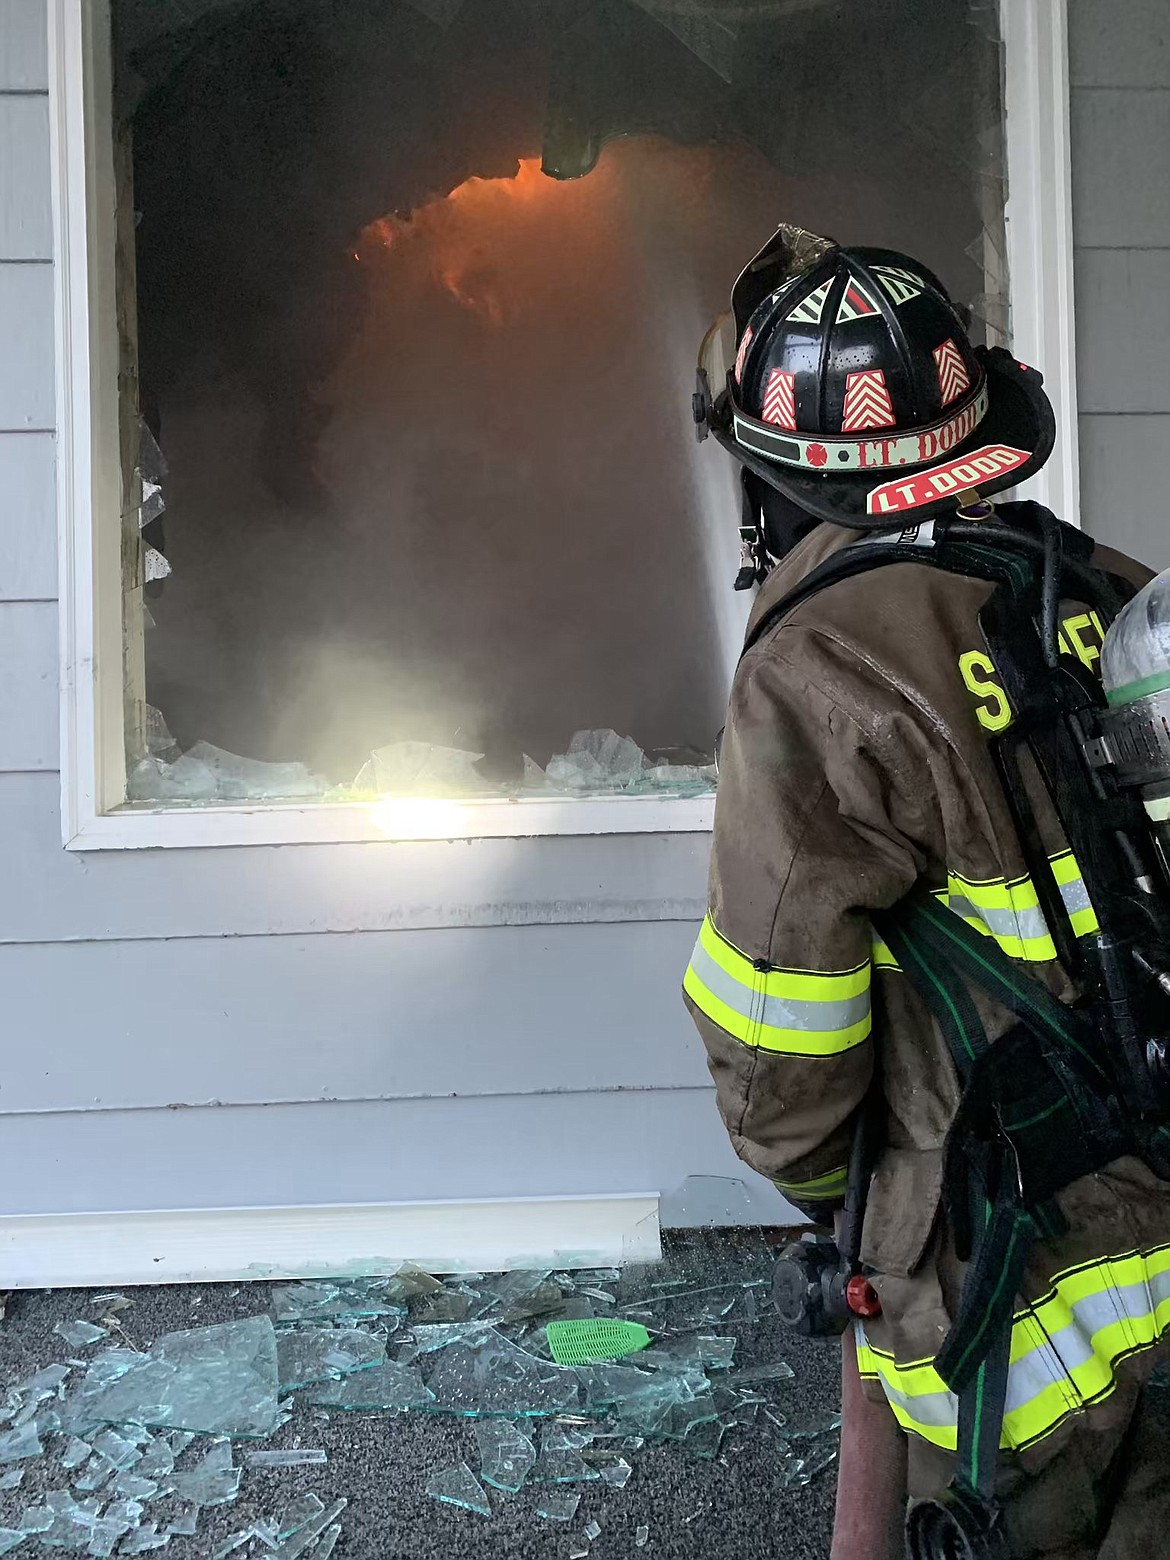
<point x="861" y="1297"/>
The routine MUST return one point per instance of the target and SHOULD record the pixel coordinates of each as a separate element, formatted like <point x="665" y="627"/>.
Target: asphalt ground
<point x="731" y="1507"/>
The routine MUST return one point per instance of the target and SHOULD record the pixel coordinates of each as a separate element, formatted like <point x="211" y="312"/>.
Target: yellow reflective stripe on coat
<point x="1064" y="1354"/>
<point x="1009" y="912"/>
<point x="1075" y="894"/>
<point x="883" y="959"/>
<point x="801" y="1012"/>
<point x="823" y="1188"/>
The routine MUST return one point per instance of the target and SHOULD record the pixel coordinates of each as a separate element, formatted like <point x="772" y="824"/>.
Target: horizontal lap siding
<point x="1120" y="121"/>
<point x="263" y="1026"/>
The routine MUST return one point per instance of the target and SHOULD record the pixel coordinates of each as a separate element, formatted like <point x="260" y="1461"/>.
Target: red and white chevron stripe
<point x="867" y="402"/>
<point x="953" y="378"/>
<point x="780" y="400"/>
<point x="745" y="343"/>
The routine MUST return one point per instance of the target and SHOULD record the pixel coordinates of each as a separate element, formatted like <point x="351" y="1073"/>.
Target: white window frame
<point x="1039" y="230"/>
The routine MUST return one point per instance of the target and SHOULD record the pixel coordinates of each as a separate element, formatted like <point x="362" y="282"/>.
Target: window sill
<point x="143" y="827"/>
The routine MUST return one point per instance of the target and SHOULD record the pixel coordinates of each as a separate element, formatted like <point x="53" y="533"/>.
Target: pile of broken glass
<point x="597" y="763"/>
<point x="130" y="1445"/>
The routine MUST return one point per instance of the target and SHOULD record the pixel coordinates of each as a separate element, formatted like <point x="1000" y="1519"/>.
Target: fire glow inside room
<point x="410" y="293"/>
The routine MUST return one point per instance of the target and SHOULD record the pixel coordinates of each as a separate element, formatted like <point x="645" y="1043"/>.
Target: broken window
<point x="409" y="299"/>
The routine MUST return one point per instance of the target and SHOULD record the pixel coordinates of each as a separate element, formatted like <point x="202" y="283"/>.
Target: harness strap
<point x="985" y="1191"/>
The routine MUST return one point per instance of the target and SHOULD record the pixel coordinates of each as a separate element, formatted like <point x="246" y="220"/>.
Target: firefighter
<point x="856" y="769"/>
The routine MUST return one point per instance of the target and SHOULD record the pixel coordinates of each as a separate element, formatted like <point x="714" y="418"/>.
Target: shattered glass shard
<point x="789" y="1473"/>
<point x="110" y="1364"/>
<point x="9" y="1538"/>
<point x="558" y="1508"/>
<point x="597" y="761"/>
<point x="20" y="1443"/>
<point x="213" y="1482"/>
<point x="306" y="1356"/>
<point x="578" y="1550"/>
<point x="185" y="1524"/>
<point x="814" y="1425"/>
<point x="231" y="1543"/>
<point x="119" y="1451"/>
<point x="641" y="1536"/>
<point x="12" y="1479"/>
<point x="491" y="1375"/>
<point x="506" y="1455"/>
<point x="606" y="1385"/>
<point x="79" y="1334"/>
<point x="107" y="1530"/>
<point x="440" y="1336"/>
<point x="75" y="1453"/>
<point x="617" y="1474"/>
<point x="144" y="1539"/>
<point x="502" y="1290"/>
<point x="593" y="1531"/>
<point x="560" y="1460"/>
<point x="390" y="1386"/>
<point x="289" y="1458"/>
<point x="327" y="1543"/>
<point x="70" y="1524"/>
<point x="317" y="1302"/>
<point x="411" y="1283"/>
<point x="111" y="1300"/>
<point x="819" y="1458"/>
<point x="135" y="1487"/>
<point x="157" y="1460"/>
<point x="299" y="1511"/>
<point x="685" y="1416"/>
<point x="705" y="1439"/>
<point x="602" y="1296"/>
<point x="95" y="1473"/>
<point x="219" y="1380"/>
<point x="755" y="1375"/>
<point x="446" y="1307"/>
<point x="267" y="1531"/>
<point x="458" y="1486"/>
<point x="717" y="1353"/>
<point x="39" y="1387"/>
<point x="308" y="1534"/>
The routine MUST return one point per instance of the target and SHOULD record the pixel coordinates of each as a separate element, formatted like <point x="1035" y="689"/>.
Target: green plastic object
<point x="576" y="1343"/>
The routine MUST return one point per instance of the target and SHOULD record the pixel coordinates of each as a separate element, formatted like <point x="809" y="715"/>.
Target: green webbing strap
<point x="938" y="983"/>
<point x="984" y="1197"/>
<point x="1066" y="1038"/>
<point x="983" y="962"/>
<point x="996" y="1271"/>
<point x="981" y="1410"/>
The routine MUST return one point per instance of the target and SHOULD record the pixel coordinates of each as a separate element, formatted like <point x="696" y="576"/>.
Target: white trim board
<point x="401" y="819"/>
<point x="1039" y="228"/>
<point x="241" y="1245"/>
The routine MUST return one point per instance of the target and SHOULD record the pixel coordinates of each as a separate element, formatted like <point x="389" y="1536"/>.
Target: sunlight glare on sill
<point x="420" y="817"/>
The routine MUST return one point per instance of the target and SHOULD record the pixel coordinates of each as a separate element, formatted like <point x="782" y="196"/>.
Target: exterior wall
<point x="1119" y="69"/>
<point x="274" y="1026"/>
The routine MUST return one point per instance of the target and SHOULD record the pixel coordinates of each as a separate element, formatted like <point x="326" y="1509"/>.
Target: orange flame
<point x="463" y="267"/>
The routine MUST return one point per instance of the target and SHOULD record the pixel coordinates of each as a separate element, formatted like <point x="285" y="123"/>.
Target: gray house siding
<point x="1119" y="70"/>
<point x="277" y="1027"/>
<point x="284" y="1026"/>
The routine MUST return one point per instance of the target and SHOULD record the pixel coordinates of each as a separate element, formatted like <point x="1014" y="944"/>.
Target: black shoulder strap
<point x="975" y="549"/>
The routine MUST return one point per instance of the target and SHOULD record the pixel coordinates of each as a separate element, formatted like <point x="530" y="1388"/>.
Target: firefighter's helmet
<point x="857" y="393"/>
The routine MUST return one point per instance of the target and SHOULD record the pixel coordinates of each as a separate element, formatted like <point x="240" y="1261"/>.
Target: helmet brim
<point x="1019" y="419"/>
